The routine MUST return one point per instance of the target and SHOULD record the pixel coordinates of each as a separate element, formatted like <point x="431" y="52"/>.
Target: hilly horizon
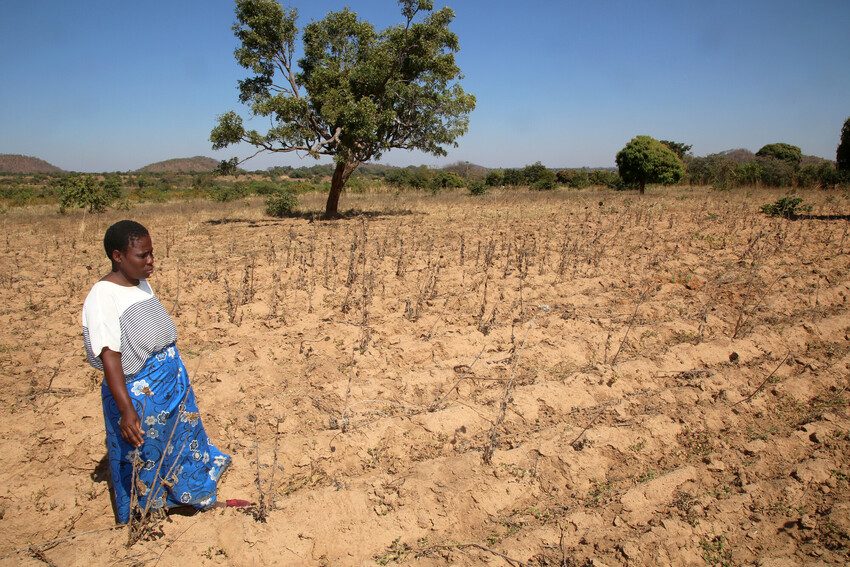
<point x="17" y="163"/>
<point x="195" y="164"/>
<point x="21" y="164"/>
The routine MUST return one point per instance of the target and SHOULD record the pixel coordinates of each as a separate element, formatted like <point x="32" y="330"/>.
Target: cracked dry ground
<point x="657" y="380"/>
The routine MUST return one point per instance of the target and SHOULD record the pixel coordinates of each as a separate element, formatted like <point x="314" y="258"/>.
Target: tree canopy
<point x="646" y="160"/>
<point x="355" y="93"/>
<point x="680" y="148"/>
<point x="842" y="153"/>
<point x="792" y="155"/>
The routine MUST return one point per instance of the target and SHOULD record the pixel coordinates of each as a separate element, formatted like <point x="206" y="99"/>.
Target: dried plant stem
<point x="141" y="522"/>
<point x="765" y="381"/>
<point x="641" y="299"/>
<point x="265" y="496"/>
<point x="463" y="546"/>
<point x="493" y="436"/>
<point x="44" y="546"/>
<point x="588" y="426"/>
<point x="436" y="404"/>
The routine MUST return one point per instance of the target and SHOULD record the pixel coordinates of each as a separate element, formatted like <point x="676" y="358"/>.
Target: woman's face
<point x="136" y="262"/>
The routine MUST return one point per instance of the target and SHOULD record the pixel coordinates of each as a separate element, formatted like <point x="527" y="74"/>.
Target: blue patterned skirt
<point x="176" y="465"/>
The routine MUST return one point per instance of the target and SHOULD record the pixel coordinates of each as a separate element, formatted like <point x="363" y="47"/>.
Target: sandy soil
<point x="572" y="378"/>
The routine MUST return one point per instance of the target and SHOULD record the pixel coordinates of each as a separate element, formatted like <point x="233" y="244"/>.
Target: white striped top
<point x="129" y="320"/>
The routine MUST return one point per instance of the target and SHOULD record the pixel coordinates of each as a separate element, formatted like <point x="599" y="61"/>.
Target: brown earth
<point x="658" y="380"/>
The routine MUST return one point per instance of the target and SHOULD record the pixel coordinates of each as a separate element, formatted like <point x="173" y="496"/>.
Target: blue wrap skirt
<point x="176" y="465"/>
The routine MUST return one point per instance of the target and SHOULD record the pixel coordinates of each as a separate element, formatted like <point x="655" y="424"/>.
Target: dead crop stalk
<point x="507" y="397"/>
<point x="641" y="299"/>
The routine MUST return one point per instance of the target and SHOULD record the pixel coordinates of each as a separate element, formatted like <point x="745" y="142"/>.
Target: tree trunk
<point x="642" y="186"/>
<point x="343" y="171"/>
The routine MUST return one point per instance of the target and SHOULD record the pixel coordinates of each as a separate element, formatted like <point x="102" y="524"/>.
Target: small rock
<point x="733" y="357"/>
<point x="618" y="521"/>
<point x="807" y="522"/>
<point x="755" y="447"/>
<point x="815" y="437"/>
<point x="630" y="550"/>
<point x="716" y="466"/>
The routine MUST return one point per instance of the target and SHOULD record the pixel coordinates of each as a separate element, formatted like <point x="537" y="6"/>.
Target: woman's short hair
<point x="121" y="234"/>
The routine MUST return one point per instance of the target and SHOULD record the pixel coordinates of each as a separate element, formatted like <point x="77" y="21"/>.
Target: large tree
<point x="646" y="160"/>
<point x="790" y="154"/>
<point x="842" y="153"/>
<point x="355" y="93"/>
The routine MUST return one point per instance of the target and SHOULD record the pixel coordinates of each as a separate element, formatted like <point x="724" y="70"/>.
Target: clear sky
<point x="106" y="85"/>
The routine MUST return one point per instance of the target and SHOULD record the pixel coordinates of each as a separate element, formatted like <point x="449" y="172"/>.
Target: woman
<point x="157" y="447"/>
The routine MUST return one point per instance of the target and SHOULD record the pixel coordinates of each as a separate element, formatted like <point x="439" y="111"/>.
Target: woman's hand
<point x="131" y="428"/>
<point x="129" y="425"/>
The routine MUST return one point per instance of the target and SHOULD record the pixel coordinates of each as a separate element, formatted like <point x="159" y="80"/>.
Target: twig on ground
<point x="588" y="426"/>
<point x="765" y="381"/>
<point x="464" y="546"/>
<point x="460" y="369"/>
<point x="50" y="544"/>
<point x="629" y="326"/>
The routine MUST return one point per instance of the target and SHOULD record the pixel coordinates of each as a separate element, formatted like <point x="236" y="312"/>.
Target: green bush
<point x="494" y="178"/>
<point x="281" y="203"/>
<point x="477" y="188"/>
<point x="445" y="180"/>
<point x="580" y="180"/>
<point x="83" y="191"/>
<point x="823" y="175"/>
<point x="539" y="176"/>
<point x="544" y="184"/>
<point x="789" y="207"/>
<point x="607" y="178"/>
<point x="263" y="187"/>
<point x="225" y="193"/>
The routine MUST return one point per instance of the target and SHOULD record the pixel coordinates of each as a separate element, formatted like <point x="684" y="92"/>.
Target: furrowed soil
<point x="564" y="378"/>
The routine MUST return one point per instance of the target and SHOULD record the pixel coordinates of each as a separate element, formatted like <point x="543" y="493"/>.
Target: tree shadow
<point x="822" y="217"/>
<point x="351" y="214"/>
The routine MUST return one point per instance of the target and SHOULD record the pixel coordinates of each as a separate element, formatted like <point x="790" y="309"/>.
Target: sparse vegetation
<point x="281" y="203"/>
<point x="788" y="207"/>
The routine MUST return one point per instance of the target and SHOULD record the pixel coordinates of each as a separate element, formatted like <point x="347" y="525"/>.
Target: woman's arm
<point x="129" y="424"/>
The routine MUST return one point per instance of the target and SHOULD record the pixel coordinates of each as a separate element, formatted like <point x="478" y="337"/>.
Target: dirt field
<point x="567" y="378"/>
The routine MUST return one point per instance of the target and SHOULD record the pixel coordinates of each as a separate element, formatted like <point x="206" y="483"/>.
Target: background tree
<point x="680" y="148"/>
<point x="792" y="155"/>
<point x="842" y="154"/>
<point x="85" y="192"/>
<point x="356" y="92"/>
<point x="646" y="160"/>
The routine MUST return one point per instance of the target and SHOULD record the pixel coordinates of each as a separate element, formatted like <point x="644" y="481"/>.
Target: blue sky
<point x="105" y="85"/>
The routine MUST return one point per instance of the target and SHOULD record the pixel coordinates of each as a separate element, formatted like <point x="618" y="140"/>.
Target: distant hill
<point x="467" y="170"/>
<point x="739" y="155"/>
<point x="13" y="163"/>
<point x="197" y="164"/>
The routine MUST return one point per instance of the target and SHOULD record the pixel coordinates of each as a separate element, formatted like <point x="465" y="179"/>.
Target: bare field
<point x="566" y="378"/>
